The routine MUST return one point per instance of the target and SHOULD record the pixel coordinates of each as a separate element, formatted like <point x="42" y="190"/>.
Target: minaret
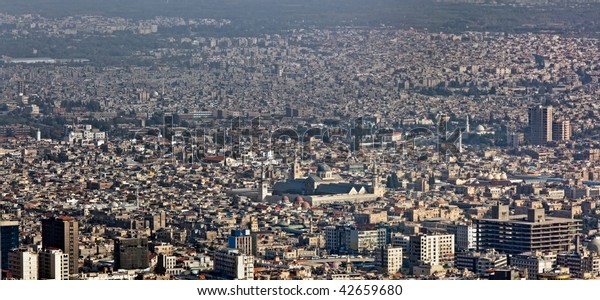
<point x="467" y="127"/>
<point x="296" y="172"/>
<point x="348" y="265"/>
<point x="263" y="189"/>
<point x="378" y="190"/>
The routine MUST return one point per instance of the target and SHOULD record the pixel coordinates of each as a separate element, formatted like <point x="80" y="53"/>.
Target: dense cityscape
<point x="379" y="152"/>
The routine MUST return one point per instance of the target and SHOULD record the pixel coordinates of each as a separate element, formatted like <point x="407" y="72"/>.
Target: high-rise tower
<point x="9" y="239"/>
<point x="540" y="124"/>
<point x="62" y="233"/>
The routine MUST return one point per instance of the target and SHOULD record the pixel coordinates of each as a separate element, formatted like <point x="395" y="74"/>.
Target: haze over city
<point x="292" y="140"/>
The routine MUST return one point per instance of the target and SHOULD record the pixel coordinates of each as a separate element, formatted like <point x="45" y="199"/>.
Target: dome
<point x="480" y="128"/>
<point x="504" y="176"/>
<point x="497" y="176"/>
<point x="323" y="168"/>
<point x="490" y="176"/>
<point x="298" y="199"/>
<point x="286" y="199"/>
<point x="305" y="205"/>
<point x="594" y="246"/>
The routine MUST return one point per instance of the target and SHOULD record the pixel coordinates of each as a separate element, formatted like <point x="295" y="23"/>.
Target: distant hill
<point x="273" y="15"/>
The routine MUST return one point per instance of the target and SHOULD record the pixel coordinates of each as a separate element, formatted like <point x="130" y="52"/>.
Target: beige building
<point x="371" y="217"/>
<point x="534" y="263"/>
<point x="23" y="264"/>
<point x="431" y="249"/>
<point x="54" y="264"/>
<point x="232" y="263"/>
<point x="390" y="259"/>
<point x="561" y="131"/>
<point x="166" y="264"/>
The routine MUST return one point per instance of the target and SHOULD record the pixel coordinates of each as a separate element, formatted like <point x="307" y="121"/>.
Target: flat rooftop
<point x="522" y="219"/>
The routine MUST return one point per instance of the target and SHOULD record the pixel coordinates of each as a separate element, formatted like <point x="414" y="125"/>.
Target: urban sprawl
<point x="341" y="153"/>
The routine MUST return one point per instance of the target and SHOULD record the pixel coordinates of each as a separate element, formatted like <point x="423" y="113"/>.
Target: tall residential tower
<point x="540" y="124"/>
<point x="62" y="233"/>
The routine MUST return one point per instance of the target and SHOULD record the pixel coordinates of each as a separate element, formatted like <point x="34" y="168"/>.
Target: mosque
<point x="322" y="187"/>
<point x="326" y="187"/>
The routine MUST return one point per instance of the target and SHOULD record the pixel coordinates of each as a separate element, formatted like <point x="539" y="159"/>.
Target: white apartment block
<point x="23" y="264"/>
<point x="431" y="249"/>
<point x="54" y="264"/>
<point x="231" y="263"/>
